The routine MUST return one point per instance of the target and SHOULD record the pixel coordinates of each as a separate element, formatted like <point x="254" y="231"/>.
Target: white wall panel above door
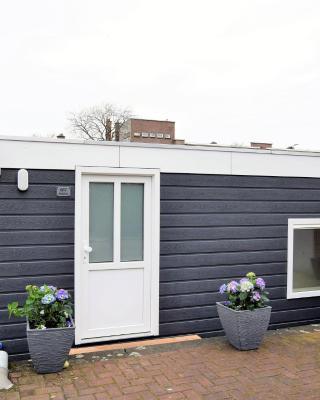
<point x="179" y="159"/>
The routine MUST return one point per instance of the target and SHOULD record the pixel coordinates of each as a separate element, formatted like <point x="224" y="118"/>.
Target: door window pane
<point x="132" y="207"/>
<point x="306" y="260"/>
<point x="101" y="222"/>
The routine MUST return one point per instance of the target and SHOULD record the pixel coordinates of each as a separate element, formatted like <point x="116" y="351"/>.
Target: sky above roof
<point x="227" y="71"/>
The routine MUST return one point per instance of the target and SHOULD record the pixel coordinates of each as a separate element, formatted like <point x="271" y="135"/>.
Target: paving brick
<point x="287" y="366"/>
<point x="102" y="396"/>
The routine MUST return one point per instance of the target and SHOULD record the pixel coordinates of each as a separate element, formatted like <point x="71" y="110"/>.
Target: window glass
<point x="306" y="259"/>
<point x="132" y="207"/>
<point x="101" y="222"/>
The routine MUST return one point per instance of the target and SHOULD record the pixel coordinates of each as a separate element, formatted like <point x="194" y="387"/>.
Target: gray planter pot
<point x="244" y="329"/>
<point x="49" y="348"/>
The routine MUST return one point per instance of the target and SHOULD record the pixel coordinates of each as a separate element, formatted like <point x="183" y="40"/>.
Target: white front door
<point x="117" y="276"/>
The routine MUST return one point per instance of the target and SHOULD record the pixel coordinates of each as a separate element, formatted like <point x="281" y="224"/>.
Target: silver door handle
<point x="87" y="249"/>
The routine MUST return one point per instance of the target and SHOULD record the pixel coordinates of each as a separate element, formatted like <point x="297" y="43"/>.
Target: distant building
<point x="261" y="145"/>
<point x="149" y="131"/>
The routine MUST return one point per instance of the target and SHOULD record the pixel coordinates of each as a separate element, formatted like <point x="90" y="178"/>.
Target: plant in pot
<point x="50" y="327"/>
<point x="245" y="316"/>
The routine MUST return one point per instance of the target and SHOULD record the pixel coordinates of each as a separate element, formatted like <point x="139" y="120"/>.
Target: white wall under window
<point x="303" y="258"/>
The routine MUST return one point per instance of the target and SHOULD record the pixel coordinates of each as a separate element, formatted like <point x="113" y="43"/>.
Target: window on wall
<point x="303" y="258"/>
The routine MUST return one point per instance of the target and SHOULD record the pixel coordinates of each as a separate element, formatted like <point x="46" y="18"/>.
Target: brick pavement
<point x="287" y="366"/>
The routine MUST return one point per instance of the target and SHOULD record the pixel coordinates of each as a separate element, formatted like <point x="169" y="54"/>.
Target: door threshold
<point x="129" y="345"/>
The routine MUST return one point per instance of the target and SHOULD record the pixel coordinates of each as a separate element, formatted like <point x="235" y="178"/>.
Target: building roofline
<point x="186" y="146"/>
<point x="66" y="154"/>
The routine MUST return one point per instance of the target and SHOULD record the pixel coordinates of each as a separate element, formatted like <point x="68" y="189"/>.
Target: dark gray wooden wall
<point x="213" y="228"/>
<point x="36" y="243"/>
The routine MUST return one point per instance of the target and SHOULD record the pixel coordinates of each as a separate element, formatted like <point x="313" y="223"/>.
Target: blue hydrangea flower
<point x="223" y="288"/>
<point x="48" y="299"/>
<point x="232" y="287"/>
<point x="260" y="283"/>
<point x="62" y="295"/>
<point x="44" y="287"/>
<point x="256" y="296"/>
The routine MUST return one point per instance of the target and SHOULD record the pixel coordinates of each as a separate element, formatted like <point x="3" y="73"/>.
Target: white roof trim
<point x="44" y="153"/>
<point x="188" y="146"/>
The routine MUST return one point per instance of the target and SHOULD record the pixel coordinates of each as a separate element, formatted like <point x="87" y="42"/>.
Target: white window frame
<point x="298" y="223"/>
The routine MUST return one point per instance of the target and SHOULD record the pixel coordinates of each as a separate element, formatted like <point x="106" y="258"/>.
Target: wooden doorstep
<point x="129" y="345"/>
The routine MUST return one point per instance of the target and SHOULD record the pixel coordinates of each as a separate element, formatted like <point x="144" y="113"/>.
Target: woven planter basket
<point x="244" y="329"/>
<point x="49" y="348"/>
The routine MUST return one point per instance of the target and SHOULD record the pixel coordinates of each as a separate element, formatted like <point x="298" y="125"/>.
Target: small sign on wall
<point x="63" y="191"/>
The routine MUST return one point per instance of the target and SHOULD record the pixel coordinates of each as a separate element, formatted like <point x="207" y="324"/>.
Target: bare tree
<point x="100" y="122"/>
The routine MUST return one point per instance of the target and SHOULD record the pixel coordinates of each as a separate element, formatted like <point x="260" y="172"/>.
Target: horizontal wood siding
<point x="215" y="228"/>
<point x="36" y="244"/>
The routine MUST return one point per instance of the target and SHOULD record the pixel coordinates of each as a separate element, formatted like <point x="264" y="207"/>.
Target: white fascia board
<point x="178" y="160"/>
<point x="275" y="164"/>
<point x="43" y="153"/>
<point x="55" y="155"/>
<point x="188" y="146"/>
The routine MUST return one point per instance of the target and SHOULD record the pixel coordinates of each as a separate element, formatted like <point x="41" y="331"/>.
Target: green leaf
<point x="243" y="296"/>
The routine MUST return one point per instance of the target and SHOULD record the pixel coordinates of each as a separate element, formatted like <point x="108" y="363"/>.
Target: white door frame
<point x="81" y="171"/>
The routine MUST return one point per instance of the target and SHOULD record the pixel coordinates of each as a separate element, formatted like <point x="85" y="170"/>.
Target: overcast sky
<point x="229" y="71"/>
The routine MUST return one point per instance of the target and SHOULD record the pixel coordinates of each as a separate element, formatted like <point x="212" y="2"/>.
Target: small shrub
<point x="247" y="294"/>
<point x="45" y="307"/>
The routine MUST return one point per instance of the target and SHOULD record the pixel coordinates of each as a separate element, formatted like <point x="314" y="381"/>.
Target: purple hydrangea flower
<point x="69" y="323"/>
<point x="223" y="288"/>
<point x="232" y="287"/>
<point x="260" y="283"/>
<point x="242" y="280"/>
<point x="48" y="299"/>
<point x="256" y="296"/>
<point x="62" y="295"/>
